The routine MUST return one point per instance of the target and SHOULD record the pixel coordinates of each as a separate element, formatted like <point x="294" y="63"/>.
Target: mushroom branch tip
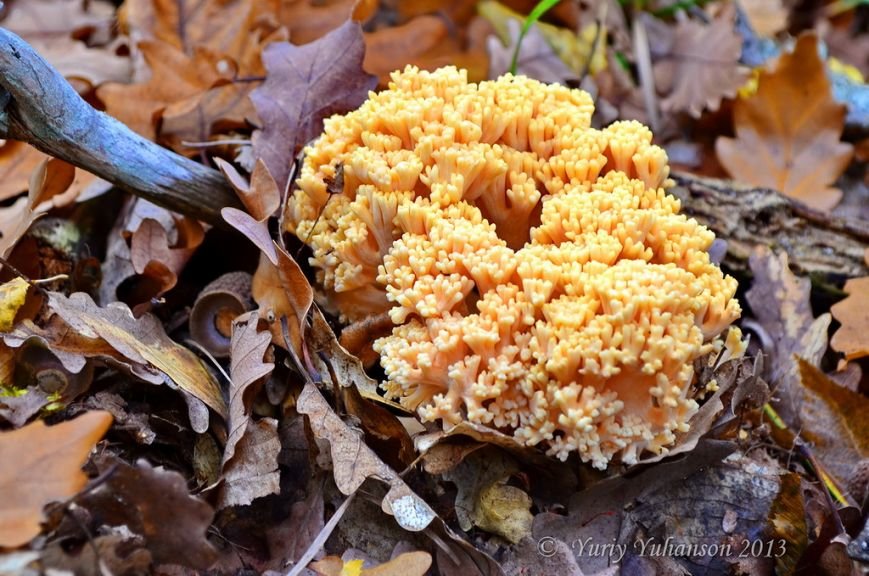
<point x="540" y="279"/>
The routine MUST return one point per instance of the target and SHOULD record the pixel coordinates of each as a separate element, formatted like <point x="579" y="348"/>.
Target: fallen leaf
<point x="248" y="346"/>
<point x="42" y="464"/>
<point x="154" y="503"/>
<point x="780" y="301"/>
<point x="700" y="66"/>
<point x="17" y="409"/>
<point x="788" y="133"/>
<point x="354" y="462"/>
<point x="428" y="42"/>
<point x="215" y="51"/>
<point x="310" y="20"/>
<point x="57" y="30"/>
<point x="283" y="291"/>
<point x="407" y="564"/>
<point x="347" y="369"/>
<point x="304" y="85"/>
<point x="852" y="337"/>
<point x="834" y="420"/>
<point x="72" y="348"/>
<point x="766" y="17"/>
<point x="141" y="340"/>
<point x="12" y="296"/>
<point x="581" y="49"/>
<point x="291" y="538"/>
<point x="17" y="162"/>
<point x="261" y="196"/>
<point x="253" y="471"/>
<point x="175" y="77"/>
<point x="50" y="180"/>
<point x="156" y="261"/>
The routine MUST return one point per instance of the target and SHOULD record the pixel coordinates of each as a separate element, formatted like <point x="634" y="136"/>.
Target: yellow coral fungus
<point x="540" y="278"/>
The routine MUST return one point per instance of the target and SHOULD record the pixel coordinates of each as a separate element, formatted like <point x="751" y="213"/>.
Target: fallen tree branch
<point x="38" y="106"/>
<point x="816" y="242"/>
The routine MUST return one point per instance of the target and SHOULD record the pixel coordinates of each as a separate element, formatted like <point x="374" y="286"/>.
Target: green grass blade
<point x="542" y="8"/>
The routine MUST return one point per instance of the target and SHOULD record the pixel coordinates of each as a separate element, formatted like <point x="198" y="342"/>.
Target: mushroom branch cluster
<point x="540" y="279"/>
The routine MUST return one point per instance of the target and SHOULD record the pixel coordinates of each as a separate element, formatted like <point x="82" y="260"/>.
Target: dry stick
<point x="38" y="106"/>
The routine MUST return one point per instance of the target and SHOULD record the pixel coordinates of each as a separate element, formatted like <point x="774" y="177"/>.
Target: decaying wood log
<point x="816" y="243"/>
<point x="39" y="107"/>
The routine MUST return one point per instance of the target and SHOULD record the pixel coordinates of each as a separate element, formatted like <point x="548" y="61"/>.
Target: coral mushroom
<point x="540" y="279"/>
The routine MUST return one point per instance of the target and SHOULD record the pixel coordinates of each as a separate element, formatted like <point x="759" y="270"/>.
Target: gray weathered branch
<point x="41" y="108"/>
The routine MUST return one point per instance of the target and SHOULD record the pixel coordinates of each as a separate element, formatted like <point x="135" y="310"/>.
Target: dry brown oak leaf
<point x="306" y="84"/>
<point x="852" y="338"/>
<point x="42" y="464"/>
<point x="701" y="65"/>
<point x="198" y="70"/>
<point x="787" y="134"/>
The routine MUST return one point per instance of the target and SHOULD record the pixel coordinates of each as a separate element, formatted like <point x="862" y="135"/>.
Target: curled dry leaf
<point x="297" y="95"/>
<point x="142" y="341"/>
<point x="42" y="464"/>
<point x="72" y="348"/>
<point x="346" y="369"/>
<point x="49" y="180"/>
<point x="354" y="462"/>
<point x="852" y="337"/>
<point x="261" y="196"/>
<point x="159" y="263"/>
<point x="788" y="133"/>
<point x="780" y="302"/>
<point x="283" y="291"/>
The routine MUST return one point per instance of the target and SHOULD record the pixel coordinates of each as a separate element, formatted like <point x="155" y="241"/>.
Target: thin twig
<point x="321" y="538"/>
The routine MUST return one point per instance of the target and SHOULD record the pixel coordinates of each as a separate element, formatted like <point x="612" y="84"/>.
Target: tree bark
<point x="816" y="242"/>
<point x="41" y="108"/>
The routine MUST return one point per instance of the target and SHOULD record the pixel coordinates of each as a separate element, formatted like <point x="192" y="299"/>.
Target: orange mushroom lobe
<point x="540" y="279"/>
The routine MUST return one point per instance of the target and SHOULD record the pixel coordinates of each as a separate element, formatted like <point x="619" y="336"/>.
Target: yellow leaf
<point x="12" y="297"/>
<point x="352" y="568"/>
